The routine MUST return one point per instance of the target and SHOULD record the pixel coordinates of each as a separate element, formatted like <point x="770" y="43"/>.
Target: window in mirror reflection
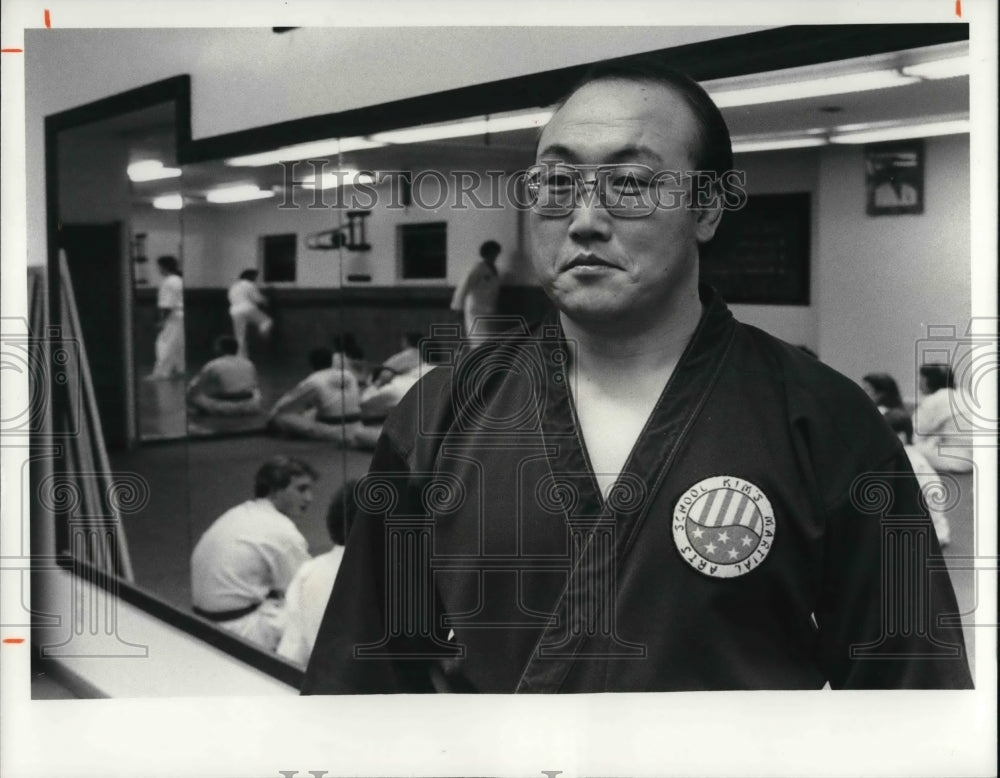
<point x="423" y="250"/>
<point x="279" y="257"/>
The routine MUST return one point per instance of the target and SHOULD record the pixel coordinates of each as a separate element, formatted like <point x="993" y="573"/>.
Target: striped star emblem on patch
<point x="723" y="526"/>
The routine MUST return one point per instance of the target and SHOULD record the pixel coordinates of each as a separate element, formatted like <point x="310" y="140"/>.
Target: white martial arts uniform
<point x="305" y="604"/>
<point x="244" y="308"/>
<point x="928" y="479"/>
<point x="170" y="340"/>
<point x="477" y="295"/>
<point x="937" y="436"/>
<point x="248" y="556"/>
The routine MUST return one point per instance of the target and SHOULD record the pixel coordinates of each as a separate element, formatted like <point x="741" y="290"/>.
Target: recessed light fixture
<point x="169" y="202"/>
<point x="750" y="144"/>
<point x="237" y="194"/>
<point x="882" y="132"/>
<point x="813" y="87"/>
<point x="336" y="178"/>
<point x="320" y="149"/>
<point x="150" y="170"/>
<point x="939" y="68"/>
<point x="480" y="126"/>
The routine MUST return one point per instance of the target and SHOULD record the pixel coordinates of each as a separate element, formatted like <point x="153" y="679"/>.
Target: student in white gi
<point x="884" y="391"/>
<point x="245" y="301"/>
<point x="305" y="601"/>
<point x="324" y="406"/>
<point x="226" y="385"/>
<point x="391" y="380"/>
<point x="936" y="431"/>
<point x="243" y="564"/>
<point x="170" y="320"/>
<point x="902" y="425"/>
<point x="479" y="292"/>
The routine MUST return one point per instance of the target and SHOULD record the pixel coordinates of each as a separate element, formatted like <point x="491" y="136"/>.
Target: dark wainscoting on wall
<point x="378" y="317"/>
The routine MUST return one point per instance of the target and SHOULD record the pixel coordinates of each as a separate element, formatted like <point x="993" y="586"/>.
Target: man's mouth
<point x="588" y="260"/>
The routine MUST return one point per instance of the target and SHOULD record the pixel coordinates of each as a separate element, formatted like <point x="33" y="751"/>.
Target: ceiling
<point x="148" y="133"/>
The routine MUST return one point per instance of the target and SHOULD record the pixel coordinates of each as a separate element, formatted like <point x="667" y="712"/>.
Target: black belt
<point x="348" y="419"/>
<point x="235" y="613"/>
<point x="248" y="395"/>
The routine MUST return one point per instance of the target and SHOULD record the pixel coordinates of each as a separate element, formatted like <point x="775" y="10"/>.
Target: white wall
<point x="881" y="280"/>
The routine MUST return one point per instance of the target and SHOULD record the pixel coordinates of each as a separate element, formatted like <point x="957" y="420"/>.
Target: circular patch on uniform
<point x="723" y="526"/>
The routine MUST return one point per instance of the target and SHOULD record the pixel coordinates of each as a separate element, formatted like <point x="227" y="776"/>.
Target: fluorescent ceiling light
<point x="900" y="132"/>
<point x="237" y="194"/>
<point x="748" y="144"/>
<point x="320" y="149"/>
<point x="480" y="126"/>
<point x="169" y="202"/>
<point x="816" y="87"/>
<point x="939" y="68"/>
<point x="151" y="170"/>
<point x="335" y="178"/>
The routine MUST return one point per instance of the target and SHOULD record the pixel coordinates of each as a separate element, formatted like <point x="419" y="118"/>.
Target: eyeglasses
<point x="625" y="191"/>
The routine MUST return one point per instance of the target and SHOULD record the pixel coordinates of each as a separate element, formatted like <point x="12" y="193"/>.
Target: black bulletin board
<point x="760" y="254"/>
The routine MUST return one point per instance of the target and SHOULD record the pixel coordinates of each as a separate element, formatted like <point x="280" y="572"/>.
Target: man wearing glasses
<point x="642" y="494"/>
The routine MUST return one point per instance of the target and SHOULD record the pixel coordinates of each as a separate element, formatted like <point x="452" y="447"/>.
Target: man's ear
<point x="708" y="220"/>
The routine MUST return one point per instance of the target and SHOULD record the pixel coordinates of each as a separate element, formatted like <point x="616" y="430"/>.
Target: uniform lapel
<point x="602" y="533"/>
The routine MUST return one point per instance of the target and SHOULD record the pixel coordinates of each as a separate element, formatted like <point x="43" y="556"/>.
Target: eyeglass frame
<point x="590" y="187"/>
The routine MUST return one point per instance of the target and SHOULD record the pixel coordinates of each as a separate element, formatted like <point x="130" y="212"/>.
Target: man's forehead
<point x="646" y="118"/>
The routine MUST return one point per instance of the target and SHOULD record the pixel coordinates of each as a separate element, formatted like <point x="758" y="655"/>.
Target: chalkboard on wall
<point x="760" y="254"/>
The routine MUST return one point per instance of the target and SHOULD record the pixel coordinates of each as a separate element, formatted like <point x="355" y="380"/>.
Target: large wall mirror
<point x="341" y="235"/>
<point x="354" y="251"/>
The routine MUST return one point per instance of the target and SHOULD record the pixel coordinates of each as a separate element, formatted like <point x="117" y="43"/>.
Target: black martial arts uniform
<point x="766" y="532"/>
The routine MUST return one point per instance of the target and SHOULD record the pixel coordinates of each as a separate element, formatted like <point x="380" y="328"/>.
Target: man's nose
<point x="589" y="220"/>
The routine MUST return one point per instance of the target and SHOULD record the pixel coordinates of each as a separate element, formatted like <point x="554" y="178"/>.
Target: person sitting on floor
<point x="305" y="601"/>
<point x="226" y="385"/>
<point x="243" y="564"/>
<point x="346" y="348"/>
<point x="883" y="390"/>
<point x="401" y="362"/>
<point x="937" y="432"/>
<point x="900" y="422"/>
<point x="391" y="380"/>
<point x="323" y="406"/>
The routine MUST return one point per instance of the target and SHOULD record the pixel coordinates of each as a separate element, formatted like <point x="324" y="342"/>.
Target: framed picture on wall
<point x="894" y="177"/>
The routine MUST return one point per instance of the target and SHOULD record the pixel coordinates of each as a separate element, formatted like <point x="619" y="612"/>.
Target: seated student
<point x="243" y="564"/>
<point x="307" y="595"/>
<point x="226" y="385"/>
<point x="323" y="406"/>
<point x="883" y="390"/>
<point x="401" y="362"/>
<point x="391" y="380"/>
<point x="346" y="348"/>
<point x="937" y="433"/>
<point x="901" y="424"/>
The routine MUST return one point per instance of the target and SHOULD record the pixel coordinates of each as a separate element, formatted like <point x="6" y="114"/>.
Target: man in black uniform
<point x="642" y="494"/>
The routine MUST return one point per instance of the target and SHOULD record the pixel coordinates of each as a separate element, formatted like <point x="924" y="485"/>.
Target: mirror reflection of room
<point x="157" y="262"/>
<point x="303" y="331"/>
